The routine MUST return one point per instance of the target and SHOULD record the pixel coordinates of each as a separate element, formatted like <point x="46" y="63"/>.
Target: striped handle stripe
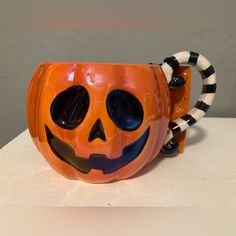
<point x="208" y="89"/>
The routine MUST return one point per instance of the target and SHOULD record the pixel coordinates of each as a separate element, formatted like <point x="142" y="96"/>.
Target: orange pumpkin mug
<point x="100" y="122"/>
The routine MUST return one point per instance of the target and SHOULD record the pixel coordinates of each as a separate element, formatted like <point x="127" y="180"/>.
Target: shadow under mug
<point x="100" y="122"/>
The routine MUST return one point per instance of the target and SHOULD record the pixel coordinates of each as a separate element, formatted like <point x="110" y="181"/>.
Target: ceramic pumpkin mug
<point x="100" y="122"/>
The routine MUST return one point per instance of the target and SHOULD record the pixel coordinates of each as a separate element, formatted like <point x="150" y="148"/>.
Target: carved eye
<point x="69" y="107"/>
<point x="124" y="109"/>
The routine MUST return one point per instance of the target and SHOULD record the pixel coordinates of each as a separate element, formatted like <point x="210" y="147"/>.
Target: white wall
<point x="111" y="31"/>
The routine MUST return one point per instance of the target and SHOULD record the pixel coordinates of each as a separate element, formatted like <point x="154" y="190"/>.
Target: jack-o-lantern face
<point x="68" y="110"/>
<point x="98" y="122"/>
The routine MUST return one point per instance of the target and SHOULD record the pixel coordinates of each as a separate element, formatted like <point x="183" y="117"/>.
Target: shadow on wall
<point x="196" y="135"/>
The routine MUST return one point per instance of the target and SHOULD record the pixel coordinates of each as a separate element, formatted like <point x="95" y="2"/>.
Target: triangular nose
<point x="97" y="131"/>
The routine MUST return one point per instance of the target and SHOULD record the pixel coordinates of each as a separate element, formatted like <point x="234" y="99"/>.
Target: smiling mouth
<point x="95" y="161"/>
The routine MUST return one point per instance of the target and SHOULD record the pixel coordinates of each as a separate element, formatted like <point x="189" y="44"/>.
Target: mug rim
<point x="95" y="63"/>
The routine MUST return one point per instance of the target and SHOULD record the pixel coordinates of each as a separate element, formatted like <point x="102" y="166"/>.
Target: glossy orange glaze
<point x="145" y="82"/>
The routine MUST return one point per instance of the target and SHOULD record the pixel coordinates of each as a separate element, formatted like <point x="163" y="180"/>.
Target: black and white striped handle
<point x="207" y="95"/>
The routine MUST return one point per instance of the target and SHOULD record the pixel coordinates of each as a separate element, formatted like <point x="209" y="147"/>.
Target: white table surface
<point x="205" y="175"/>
